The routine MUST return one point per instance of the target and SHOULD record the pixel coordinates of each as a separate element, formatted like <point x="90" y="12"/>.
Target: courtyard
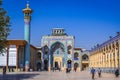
<point x="83" y="75"/>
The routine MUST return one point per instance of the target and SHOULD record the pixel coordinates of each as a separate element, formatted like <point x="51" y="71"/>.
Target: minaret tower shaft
<point x="27" y="20"/>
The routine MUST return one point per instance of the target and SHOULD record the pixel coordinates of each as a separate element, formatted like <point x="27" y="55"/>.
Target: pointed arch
<point x="57" y="45"/>
<point x="85" y="57"/>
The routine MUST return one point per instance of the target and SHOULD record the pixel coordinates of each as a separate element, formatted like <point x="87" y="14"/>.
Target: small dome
<point x="27" y="9"/>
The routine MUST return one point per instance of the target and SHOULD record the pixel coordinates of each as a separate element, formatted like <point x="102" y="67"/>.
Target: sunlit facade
<point x="58" y="51"/>
<point x="107" y="55"/>
<point x="85" y="60"/>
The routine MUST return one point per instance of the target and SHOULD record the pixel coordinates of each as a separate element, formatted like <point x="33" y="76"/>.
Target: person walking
<point x="117" y="72"/>
<point x="93" y="73"/>
<point x="99" y="72"/>
<point x="4" y="72"/>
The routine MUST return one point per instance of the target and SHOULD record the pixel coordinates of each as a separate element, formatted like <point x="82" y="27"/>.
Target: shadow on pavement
<point x="18" y="76"/>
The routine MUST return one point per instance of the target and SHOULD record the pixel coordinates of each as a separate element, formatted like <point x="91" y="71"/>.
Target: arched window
<point x="56" y="46"/>
<point x="117" y="44"/>
<point x="85" y="57"/>
<point x="39" y="55"/>
<point x="110" y="47"/>
<point x="46" y="49"/>
<point x="69" y="52"/>
<point x="69" y="47"/>
<point x="113" y="45"/>
<point x="76" y="65"/>
<point x="75" y="55"/>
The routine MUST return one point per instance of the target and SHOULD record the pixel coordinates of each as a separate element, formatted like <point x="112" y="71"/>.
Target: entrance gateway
<point x="58" y="51"/>
<point x="58" y="63"/>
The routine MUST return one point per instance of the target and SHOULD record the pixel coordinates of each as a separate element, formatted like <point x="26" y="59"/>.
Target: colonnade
<point x="17" y="44"/>
<point x="106" y="55"/>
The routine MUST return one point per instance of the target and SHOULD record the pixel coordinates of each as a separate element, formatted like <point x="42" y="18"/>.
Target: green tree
<point x="4" y="28"/>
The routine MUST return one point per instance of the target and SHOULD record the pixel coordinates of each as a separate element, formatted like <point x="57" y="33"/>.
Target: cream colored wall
<point x="107" y="56"/>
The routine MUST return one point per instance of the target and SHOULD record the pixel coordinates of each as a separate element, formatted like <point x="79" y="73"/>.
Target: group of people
<point x="93" y="72"/>
<point x="10" y="68"/>
<point x="99" y="72"/>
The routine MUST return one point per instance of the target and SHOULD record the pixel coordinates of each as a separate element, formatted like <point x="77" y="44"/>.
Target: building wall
<point x="106" y="55"/>
<point x="77" y="60"/>
<point x="85" y="60"/>
<point x="38" y="59"/>
<point x="21" y="56"/>
<point x="33" y="53"/>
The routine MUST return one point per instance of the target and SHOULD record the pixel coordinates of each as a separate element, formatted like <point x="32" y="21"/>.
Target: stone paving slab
<point x="84" y="75"/>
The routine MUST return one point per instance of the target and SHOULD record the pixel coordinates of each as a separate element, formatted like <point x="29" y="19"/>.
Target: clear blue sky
<point x="90" y="21"/>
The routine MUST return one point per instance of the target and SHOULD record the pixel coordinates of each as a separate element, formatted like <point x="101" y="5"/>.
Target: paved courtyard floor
<point x="84" y="75"/>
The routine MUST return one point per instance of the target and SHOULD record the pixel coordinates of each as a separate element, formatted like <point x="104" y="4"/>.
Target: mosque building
<point x="57" y="51"/>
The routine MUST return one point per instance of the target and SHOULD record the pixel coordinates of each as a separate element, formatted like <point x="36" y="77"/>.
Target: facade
<point x="58" y="51"/>
<point x="85" y="60"/>
<point x="107" y="55"/>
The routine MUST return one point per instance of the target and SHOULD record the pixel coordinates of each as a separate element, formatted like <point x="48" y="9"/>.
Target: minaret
<point x="27" y="20"/>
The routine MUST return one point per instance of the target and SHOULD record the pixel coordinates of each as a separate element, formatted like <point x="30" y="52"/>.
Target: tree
<point x="4" y="28"/>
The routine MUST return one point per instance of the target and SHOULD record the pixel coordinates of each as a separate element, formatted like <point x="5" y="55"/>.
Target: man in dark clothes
<point x="99" y="72"/>
<point x="4" y="72"/>
<point x="117" y="72"/>
<point x="93" y="73"/>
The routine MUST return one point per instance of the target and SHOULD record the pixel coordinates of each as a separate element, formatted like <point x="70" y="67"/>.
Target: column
<point x="7" y="61"/>
<point x="42" y="64"/>
<point x="114" y="55"/>
<point x="42" y="67"/>
<point x="49" y="68"/>
<point x="53" y="62"/>
<point x="17" y="58"/>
